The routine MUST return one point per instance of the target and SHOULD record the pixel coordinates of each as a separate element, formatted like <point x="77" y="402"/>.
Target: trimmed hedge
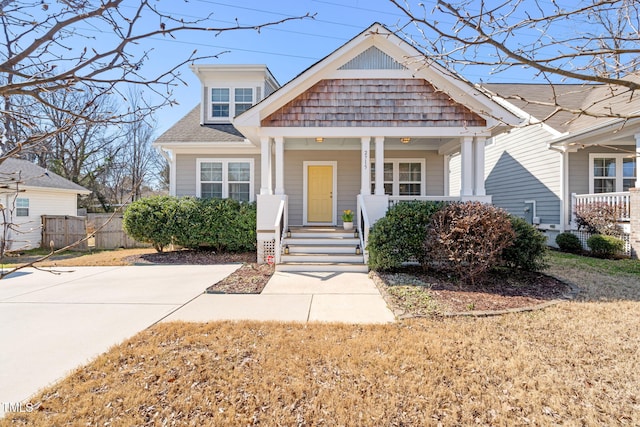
<point x="605" y="246"/>
<point x="399" y="236"/>
<point x="529" y="248"/>
<point x="569" y="242"/>
<point x="222" y="224"/>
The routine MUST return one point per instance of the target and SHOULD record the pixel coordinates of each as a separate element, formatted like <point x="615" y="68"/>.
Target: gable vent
<point x="373" y="59"/>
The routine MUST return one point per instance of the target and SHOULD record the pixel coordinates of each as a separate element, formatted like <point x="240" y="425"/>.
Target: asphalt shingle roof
<point x="189" y="129"/>
<point x="33" y="175"/>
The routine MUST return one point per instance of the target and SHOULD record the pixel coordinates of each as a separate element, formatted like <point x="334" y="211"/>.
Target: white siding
<point x="41" y="202"/>
<point x="186" y="171"/>
<point x="519" y="167"/>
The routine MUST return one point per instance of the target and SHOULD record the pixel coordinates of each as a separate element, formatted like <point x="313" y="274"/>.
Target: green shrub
<point x="152" y="220"/>
<point x="569" y="242"/>
<point x="399" y="236"/>
<point x="605" y="246"/>
<point x="529" y="249"/>
<point x="467" y="239"/>
<point x="222" y="224"/>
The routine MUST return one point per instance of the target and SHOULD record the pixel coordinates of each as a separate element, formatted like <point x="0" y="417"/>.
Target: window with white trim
<point x="402" y="177"/>
<point x="22" y="206"/>
<point x="225" y="179"/>
<point x="611" y="173"/>
<point x="228" y="102"/>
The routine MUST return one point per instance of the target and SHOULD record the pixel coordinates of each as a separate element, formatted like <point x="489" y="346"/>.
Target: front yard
<point x="574" y="363"/>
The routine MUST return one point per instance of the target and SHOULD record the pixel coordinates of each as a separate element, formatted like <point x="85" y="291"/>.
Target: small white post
<point x="365" y="176"/>
<point x="637" y="135"/>
<point x="379" y="165"/>
<point x="279" y="165"/>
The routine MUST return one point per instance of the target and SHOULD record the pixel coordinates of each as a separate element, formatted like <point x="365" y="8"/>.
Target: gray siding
<point x="579" y="166"/>
<point x="434" y="165"/>
<point x="186" y="171"/>
<point x="520" y="167"/>
<point x="348" y="175"/>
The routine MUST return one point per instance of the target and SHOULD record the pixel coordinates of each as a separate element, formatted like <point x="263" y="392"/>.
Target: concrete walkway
<point x="297" y="297"/>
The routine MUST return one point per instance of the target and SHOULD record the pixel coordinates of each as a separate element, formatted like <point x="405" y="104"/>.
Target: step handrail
<point x="363" y="226"/>
<point x="279" y="227"/>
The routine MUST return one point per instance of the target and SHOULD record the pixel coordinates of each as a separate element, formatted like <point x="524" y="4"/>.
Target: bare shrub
<point x="467" y="239"/>
<point x="599" y="218"/>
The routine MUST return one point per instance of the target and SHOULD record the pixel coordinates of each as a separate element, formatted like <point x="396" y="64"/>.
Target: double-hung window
<point x="229" y="102"/>
<point x="401" y="177"/>
<point x="611" y="173"/>
<point x="22" y="206"/>
<point x="225" y="178"/>
<point x="220" y="103"/>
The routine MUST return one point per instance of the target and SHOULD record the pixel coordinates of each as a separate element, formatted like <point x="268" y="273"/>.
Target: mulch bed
<point x="251" y="278"/>
<point x="499" y="291"/>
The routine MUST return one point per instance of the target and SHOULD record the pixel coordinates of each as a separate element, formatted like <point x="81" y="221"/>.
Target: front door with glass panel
<point x="320" y="194"/>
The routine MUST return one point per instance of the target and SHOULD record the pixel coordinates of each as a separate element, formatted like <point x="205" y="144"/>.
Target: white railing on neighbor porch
<point x="620" y="200"/>
<point x="394" y="200"/>
<point x="280" y="225"/>
<point x="363" y="225"/>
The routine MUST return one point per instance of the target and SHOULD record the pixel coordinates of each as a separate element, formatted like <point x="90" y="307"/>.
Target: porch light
<point x="405" y="140"/>
<point x="286" y="249"/>
<point x="358" y="250"/>
<point x="319" y="139"/>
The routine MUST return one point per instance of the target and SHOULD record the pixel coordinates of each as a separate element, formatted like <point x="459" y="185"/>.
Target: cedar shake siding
<point x="373" y="103"/>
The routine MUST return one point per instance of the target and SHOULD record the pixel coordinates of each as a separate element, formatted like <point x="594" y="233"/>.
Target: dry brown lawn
<point x="572" y="364"/>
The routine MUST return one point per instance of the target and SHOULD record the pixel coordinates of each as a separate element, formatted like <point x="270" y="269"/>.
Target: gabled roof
<point x="401" y="58"/>
<point x="188" y="130"/>
<point x="32" y="175"/>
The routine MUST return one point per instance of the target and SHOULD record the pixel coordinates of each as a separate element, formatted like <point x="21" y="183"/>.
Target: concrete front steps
<point x="320" y="249"/>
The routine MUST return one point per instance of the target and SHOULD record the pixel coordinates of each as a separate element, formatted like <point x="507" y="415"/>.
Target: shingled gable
<point x="377" y="65"/>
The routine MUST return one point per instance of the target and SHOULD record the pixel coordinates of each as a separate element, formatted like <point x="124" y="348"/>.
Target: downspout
<point x="564" y="184"/>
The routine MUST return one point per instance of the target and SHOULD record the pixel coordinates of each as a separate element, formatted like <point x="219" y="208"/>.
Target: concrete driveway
<point x="51" y="324"/>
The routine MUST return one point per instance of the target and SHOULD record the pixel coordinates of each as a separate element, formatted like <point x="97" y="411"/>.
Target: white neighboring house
<point x="41" y="192"/>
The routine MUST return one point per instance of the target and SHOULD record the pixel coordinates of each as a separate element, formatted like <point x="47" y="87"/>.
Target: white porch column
<point x="379" y="165"/>
<point x="365" y="158"/>
<point x="466" y="166"/>
<point x="637" y="135"/>
<point x="279" y="165"/>
<point x="265" y="165"/>
<point x="478" y="153"/>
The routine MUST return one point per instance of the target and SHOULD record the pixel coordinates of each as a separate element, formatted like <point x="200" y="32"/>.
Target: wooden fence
<point x="63" y="230"/>
<point x="111" y="236"/>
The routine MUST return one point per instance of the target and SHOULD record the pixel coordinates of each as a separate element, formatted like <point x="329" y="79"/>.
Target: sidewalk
<point x="297" y="297"/>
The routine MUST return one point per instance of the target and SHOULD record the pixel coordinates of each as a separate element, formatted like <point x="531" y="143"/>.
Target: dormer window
<point x="224" y="106"/>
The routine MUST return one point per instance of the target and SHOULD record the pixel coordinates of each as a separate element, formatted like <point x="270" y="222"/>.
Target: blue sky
<point x="286" y="49"/>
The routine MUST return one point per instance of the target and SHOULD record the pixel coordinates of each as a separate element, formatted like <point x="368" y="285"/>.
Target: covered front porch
<point x="310" y="181"/>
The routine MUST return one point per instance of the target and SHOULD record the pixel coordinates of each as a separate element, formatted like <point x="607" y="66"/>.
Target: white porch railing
<point x="620" y="200"/>
<point x="394" y="200"/>
<point x="363" y="225"/>
<point x="280" y="225"/>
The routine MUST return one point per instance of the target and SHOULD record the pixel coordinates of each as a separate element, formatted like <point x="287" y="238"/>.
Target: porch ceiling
<point x="393" y="143"/>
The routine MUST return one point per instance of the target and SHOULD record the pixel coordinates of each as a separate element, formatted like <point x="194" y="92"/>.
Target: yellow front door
<point x="320" y="193"/>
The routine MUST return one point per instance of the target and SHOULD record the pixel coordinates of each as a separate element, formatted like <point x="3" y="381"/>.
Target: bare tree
<point x="56" y="75"/>
<point x="44" y="50"/>
<point x="595" y="42"/>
